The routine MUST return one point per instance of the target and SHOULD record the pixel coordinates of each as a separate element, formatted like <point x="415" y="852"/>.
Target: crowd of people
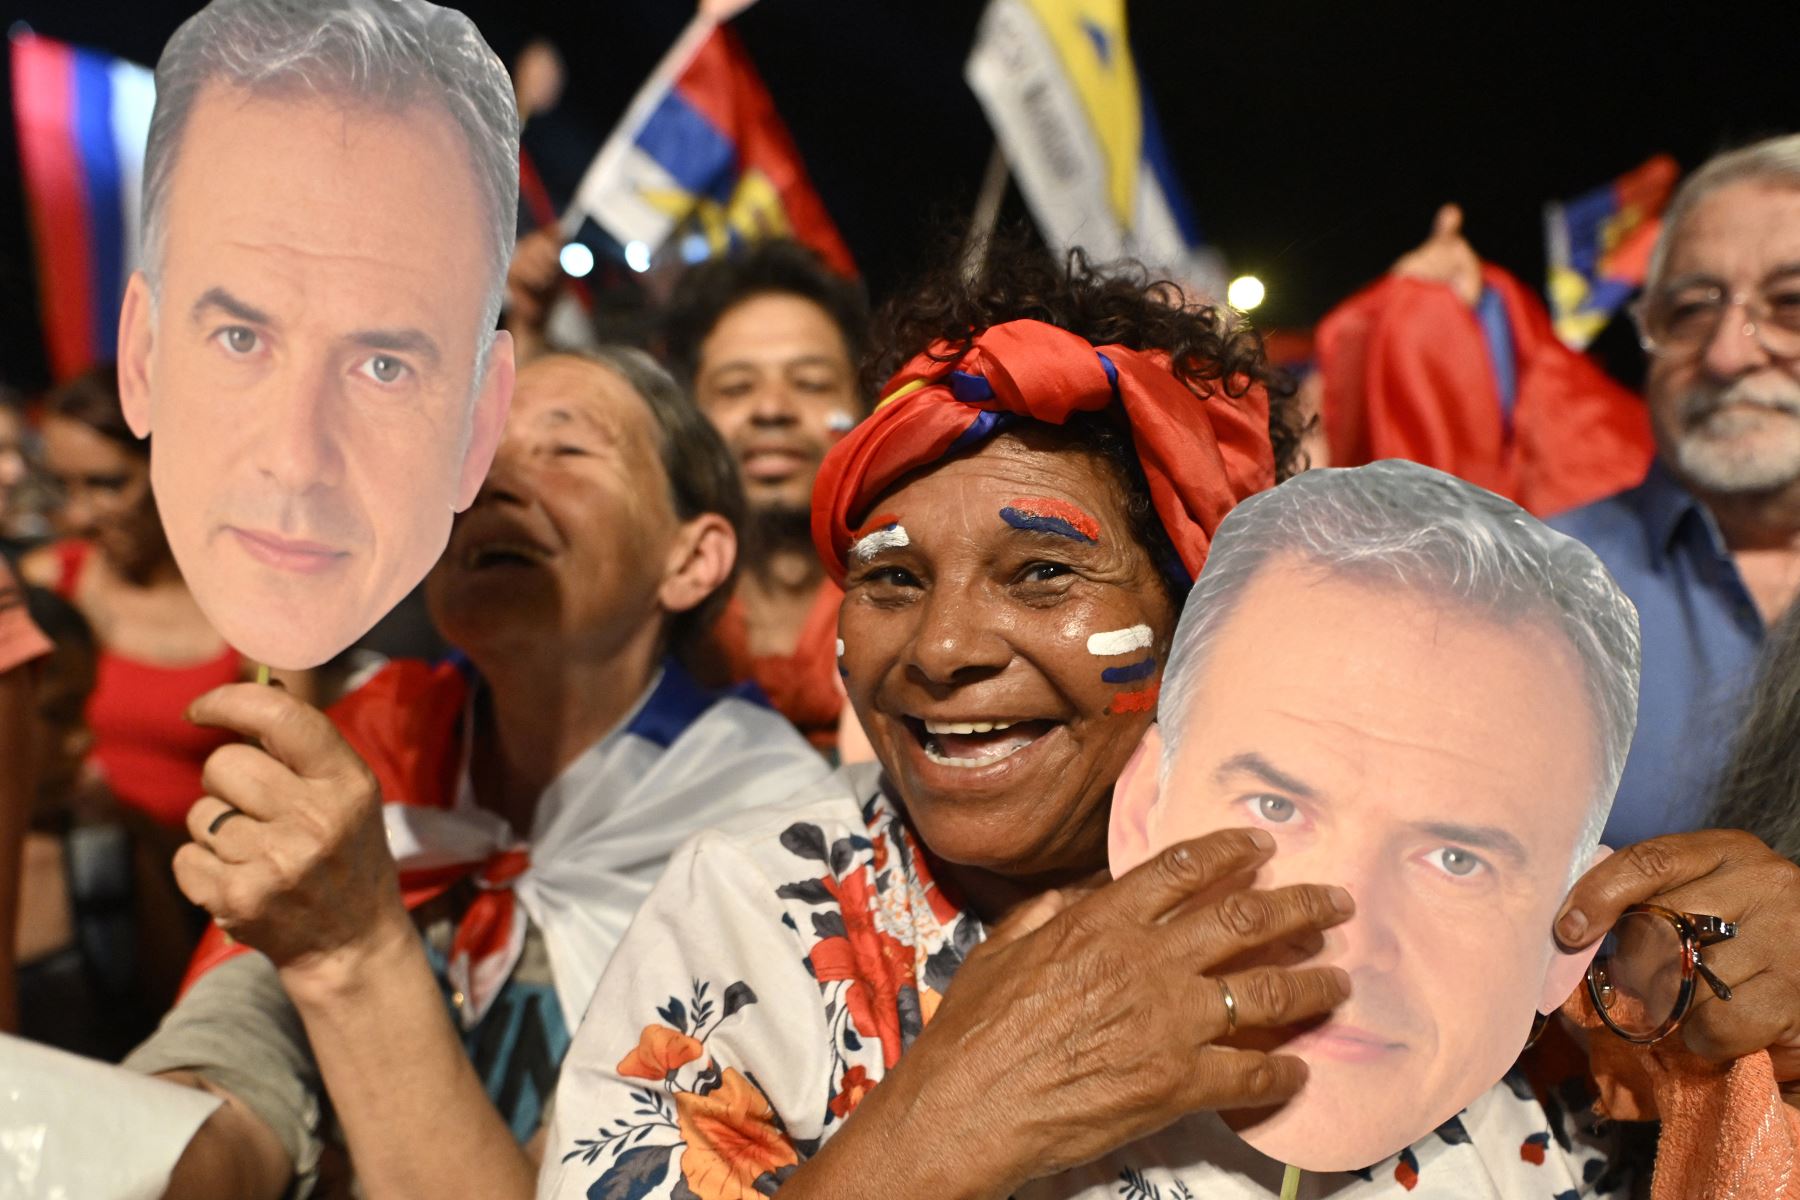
<point x="752" y="834"/>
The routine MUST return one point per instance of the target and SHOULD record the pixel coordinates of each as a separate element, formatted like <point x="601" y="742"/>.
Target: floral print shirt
<point x="788" y="959"/>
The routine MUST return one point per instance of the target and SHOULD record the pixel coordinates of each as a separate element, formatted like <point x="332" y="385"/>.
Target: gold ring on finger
<point x="1230" y="1006"/>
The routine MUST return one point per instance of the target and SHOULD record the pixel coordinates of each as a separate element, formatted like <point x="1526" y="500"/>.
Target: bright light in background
<point x="577" y="260"/>
<point x="637" y="256"/>
<point x="695" y="247"/>
<point x="1245" y="293"/>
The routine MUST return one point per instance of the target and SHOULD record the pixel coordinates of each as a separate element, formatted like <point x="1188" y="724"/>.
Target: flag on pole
<point x="82" y="119"/>
<point x="1057" y="81"/>
<point x="702" y="150"/>
<point x="1599" y="247"/>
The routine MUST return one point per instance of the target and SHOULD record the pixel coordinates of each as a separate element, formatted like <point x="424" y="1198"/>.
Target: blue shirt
<point x="1701" y="637"/>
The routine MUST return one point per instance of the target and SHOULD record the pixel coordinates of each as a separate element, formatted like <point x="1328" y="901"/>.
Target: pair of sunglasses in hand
<point x="1643" y="979"/>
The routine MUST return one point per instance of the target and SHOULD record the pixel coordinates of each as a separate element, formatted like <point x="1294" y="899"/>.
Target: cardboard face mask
<point x="1423" y="694"/>
<point x="310" y="345"/>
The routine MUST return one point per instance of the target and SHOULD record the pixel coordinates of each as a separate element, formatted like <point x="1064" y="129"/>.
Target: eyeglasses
<point x="1680" y="323"/>
<point x="1642" y="978"/>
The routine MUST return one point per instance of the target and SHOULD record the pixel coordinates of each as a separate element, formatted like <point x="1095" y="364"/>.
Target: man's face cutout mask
<point x="310" y="363"/>
<point x="1438" y="755"/>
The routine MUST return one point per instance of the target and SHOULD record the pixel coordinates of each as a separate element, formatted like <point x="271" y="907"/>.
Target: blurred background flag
<point x="702" y="151"/>
<point x="1057" y="80"/>
<point x="1599" y="247"/>
<point x="82" y="121"/>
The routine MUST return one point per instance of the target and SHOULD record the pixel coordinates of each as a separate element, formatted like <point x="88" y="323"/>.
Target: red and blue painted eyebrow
<point x="1042" y="514"/>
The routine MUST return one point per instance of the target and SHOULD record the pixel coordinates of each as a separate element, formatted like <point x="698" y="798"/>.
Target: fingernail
<point x="1340" y="899"/>
<point x="1571" y="926"/>
<point x="1262" y="839"/>
<point x="1343" y="979"/>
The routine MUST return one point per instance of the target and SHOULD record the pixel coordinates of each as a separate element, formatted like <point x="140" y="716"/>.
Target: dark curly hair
<point x="779" y="267"/>
<point x="1121" y="303"/>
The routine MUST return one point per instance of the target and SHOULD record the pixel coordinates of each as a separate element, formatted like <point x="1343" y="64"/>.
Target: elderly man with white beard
<point x="1708" y="546"/>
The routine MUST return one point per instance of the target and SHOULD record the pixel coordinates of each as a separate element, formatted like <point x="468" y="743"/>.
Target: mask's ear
<point x="1134" y="805"/>
<point x="1567" y="969"/>
<point x="134" y="354"/>
<point x="487" y="423"/>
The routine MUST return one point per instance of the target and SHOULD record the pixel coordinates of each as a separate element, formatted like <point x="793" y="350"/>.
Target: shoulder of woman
<point x="837" y="806"/>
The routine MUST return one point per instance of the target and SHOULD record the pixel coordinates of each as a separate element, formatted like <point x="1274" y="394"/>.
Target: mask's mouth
<point x="971" y="744"/>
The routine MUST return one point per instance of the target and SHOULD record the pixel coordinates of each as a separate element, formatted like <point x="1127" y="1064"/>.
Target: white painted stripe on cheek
<point x="870" y="545"/>
<point x="840" y="647"/>
<point x="1120" y="641"/>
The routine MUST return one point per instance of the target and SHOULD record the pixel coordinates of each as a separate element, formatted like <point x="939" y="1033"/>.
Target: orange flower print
<point x="660" y="1053"/>
<point x="732" y="1140"/>
<point x="877" y="963"/>
<point x="851" y="1089"/>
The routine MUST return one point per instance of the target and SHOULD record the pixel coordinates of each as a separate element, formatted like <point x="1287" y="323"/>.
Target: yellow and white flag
<point x="1059" y="86"/>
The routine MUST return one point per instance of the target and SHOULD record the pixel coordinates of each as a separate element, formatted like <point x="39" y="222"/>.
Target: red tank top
<point x="150" y="756"/>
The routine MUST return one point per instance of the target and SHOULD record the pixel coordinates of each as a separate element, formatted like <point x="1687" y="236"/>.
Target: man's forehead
<point x="774" y="329"/>
<point x="1746" y="227"/>
<point x="340" y="171"/>
<point x="1367" y="673"/>
<point x="566" y="393"/>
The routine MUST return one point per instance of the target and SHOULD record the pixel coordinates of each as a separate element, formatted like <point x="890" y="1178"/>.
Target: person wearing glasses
<point x="1708" y="545"/>
<point x="1424" y="696"/>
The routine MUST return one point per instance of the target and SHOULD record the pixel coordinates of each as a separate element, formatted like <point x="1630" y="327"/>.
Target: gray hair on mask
<point x="386" y="53"/>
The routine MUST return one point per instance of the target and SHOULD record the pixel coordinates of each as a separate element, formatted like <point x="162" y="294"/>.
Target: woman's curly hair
<point x="1121" y="304"/>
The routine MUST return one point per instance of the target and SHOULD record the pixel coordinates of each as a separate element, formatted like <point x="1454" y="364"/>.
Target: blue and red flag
<point x="702" y="150"/>
<point x="1599" y="247"/>
<point x="82" y="118"/>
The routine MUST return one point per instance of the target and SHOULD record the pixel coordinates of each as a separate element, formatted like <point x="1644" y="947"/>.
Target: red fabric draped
<point x="1201" y="453"/>
<point x="1406" y="375"/>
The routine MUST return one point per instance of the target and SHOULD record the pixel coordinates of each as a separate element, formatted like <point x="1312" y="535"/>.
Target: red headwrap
<point x="1200" y="453"/>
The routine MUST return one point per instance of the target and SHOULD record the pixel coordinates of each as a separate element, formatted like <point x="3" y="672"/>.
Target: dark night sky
<point x="1315" y="139"/>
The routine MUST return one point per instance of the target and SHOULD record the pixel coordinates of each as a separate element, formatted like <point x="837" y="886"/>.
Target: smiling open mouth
<point x="972" y="744"/>
<point x="503" y="554"/>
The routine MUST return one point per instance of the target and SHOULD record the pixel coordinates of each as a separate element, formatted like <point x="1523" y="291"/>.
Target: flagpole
<point x="986" y="214"/>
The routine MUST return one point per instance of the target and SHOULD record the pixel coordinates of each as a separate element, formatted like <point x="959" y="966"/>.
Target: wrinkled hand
<point x="1445" y="257"/>
<point x="534" y="277"/>
<point x="1722" y="873"/>
<point x="1069" y="1033"/>
<point x="304" y="875"/>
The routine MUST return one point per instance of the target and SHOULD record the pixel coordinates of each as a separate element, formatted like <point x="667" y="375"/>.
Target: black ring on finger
<point x="223" y="817"/>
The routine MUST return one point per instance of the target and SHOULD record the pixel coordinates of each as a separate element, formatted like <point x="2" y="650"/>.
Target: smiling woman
<point x="1014" y="528"/>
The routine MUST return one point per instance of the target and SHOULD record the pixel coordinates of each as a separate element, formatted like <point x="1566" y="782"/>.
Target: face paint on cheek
<point x="1115" y="642"/>
<point x="1041" y="514"/>
<point x="1131" y="673"/>
<point x="842" y="670"/>
<point x="1135" y="702"/>
<point x="839" y="423"/>
<point x="882" y="533"/>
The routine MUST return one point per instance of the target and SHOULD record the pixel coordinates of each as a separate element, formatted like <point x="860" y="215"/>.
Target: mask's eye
<point x="1277" y="809"/>
<point x="239" y="340"/>
<point x="1453" y="860"/>
<point x="384" y="369"/>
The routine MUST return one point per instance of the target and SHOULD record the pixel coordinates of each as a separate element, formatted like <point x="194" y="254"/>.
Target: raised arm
<point x="302" y="872"/>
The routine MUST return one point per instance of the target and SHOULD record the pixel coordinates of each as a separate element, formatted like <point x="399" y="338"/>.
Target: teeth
<point x="986" y="760"/>
<point x="967" y="726"/>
